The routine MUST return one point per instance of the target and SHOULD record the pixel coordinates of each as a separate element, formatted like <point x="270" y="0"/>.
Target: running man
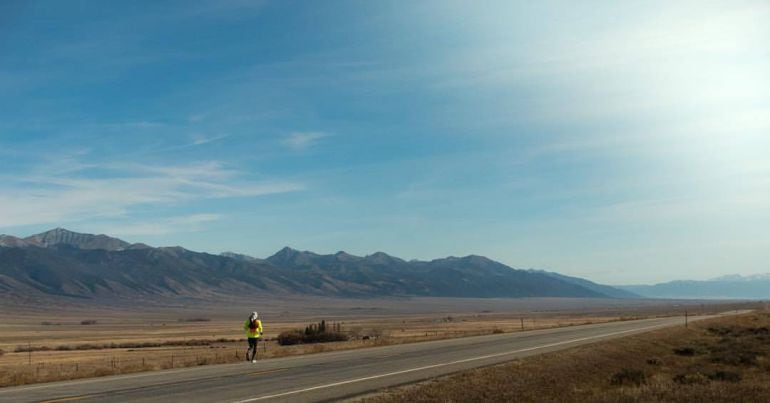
<point x="253" y="328"/>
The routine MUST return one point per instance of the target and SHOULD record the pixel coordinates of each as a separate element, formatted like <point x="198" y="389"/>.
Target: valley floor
<point x="80" y="342"/>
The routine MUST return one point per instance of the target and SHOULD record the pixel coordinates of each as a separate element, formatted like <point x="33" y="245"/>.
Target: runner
<point x="253" y="328"/>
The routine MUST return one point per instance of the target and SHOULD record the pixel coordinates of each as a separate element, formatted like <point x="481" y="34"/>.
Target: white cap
<point x="254" y="315"/>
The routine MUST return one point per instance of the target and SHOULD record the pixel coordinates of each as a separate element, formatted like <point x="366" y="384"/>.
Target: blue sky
<point x="620" y="141"/>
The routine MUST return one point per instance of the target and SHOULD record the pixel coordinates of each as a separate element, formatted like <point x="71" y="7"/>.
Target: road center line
<point x="483" y="357"/>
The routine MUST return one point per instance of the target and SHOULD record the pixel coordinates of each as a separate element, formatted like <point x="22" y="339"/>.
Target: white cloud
<point x="303" y="140"/>
<point x="55" y="198"/>
<point x="200" y="139"/>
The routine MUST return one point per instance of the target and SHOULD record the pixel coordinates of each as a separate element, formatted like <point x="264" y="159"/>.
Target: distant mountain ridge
<point x="83" y="241"/>
<point x="65" y="263"/>
<point x="738" y="277"/>
<point x="724" y="287"/>
<point x="61" y="236"/>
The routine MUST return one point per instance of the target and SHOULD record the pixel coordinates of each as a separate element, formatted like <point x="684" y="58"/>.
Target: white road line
<point x="483" y="357"/>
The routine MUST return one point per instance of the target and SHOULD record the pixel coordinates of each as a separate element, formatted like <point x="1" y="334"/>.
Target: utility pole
<point x="685" y="318"/>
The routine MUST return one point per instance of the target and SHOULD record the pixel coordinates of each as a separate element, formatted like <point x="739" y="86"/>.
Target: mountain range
<point x="63" y="263"/>
<point x="725" y="287"/>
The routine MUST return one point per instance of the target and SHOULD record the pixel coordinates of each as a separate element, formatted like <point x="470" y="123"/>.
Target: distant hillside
<point x="239" y="256"/>
<point x="727" y="287"/>
<point x="600" y="288"/>
<point x="69" y="264"/>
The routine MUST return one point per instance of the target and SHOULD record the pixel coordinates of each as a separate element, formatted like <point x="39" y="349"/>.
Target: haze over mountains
<point x="725" y="287"/>
<point x="63" y="263"/>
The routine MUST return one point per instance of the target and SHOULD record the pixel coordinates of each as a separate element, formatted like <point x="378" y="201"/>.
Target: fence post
<point x="522" y="323"/>
<point x="29" y="353"/>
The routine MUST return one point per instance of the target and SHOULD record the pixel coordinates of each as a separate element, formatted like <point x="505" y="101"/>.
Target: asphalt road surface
<point x="327" y="376"/>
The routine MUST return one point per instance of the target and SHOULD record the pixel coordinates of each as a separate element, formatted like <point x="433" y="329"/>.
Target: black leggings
<point x="252" y="349"/>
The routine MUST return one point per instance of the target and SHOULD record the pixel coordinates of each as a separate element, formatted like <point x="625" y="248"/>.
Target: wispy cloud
<point x="303" y="140"/>
<point x="200" y="139"/>
<point x="170" y="225"/>
<point x="57" y="198"/>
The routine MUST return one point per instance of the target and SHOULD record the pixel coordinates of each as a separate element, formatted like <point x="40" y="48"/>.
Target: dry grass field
<point x="715" y="360"/>
<point x="42" y="346"/>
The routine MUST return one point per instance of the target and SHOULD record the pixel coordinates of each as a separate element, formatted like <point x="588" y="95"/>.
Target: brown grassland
<point x="71" y="344"/>
<point x="716" y="360"/>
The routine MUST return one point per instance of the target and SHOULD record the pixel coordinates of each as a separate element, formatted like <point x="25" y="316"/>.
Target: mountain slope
<point x="470" y="276"/>
<point x="61" y="236"/>
<point x="64" y="263"/>
<point x="600" y="288"/>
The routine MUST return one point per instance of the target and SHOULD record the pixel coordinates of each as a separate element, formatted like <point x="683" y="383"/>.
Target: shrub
<point x="314" y="333"/>
<point x="26" y="349"/>
<point x="88" y="322"/>
<point x="654" y="361"/>
<point x="759" y="330"/>
<point x="735" y="352"/>
<point x="735" y="358"/>
<point x="685" y="351"/>
<point x="497" y="331"/>
<point x="726" y="376"/>
<point x="327" y="337"/>
<point x="691" y="379"/>
<point x="290" y="338"/>
<point x="629" y="377"/>
<point x="720" y="330"/>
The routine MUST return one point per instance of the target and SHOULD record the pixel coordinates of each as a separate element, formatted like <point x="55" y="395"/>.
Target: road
<point x="328" y="376"/>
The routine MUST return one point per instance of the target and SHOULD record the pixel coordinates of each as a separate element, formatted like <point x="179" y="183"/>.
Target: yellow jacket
<point x="253" y="330"/>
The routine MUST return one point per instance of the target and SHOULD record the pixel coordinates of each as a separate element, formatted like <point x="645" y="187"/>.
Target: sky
<point x="625" y="142"/>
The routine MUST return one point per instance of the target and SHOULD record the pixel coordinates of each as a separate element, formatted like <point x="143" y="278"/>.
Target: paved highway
<point x="327" y="376"/>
